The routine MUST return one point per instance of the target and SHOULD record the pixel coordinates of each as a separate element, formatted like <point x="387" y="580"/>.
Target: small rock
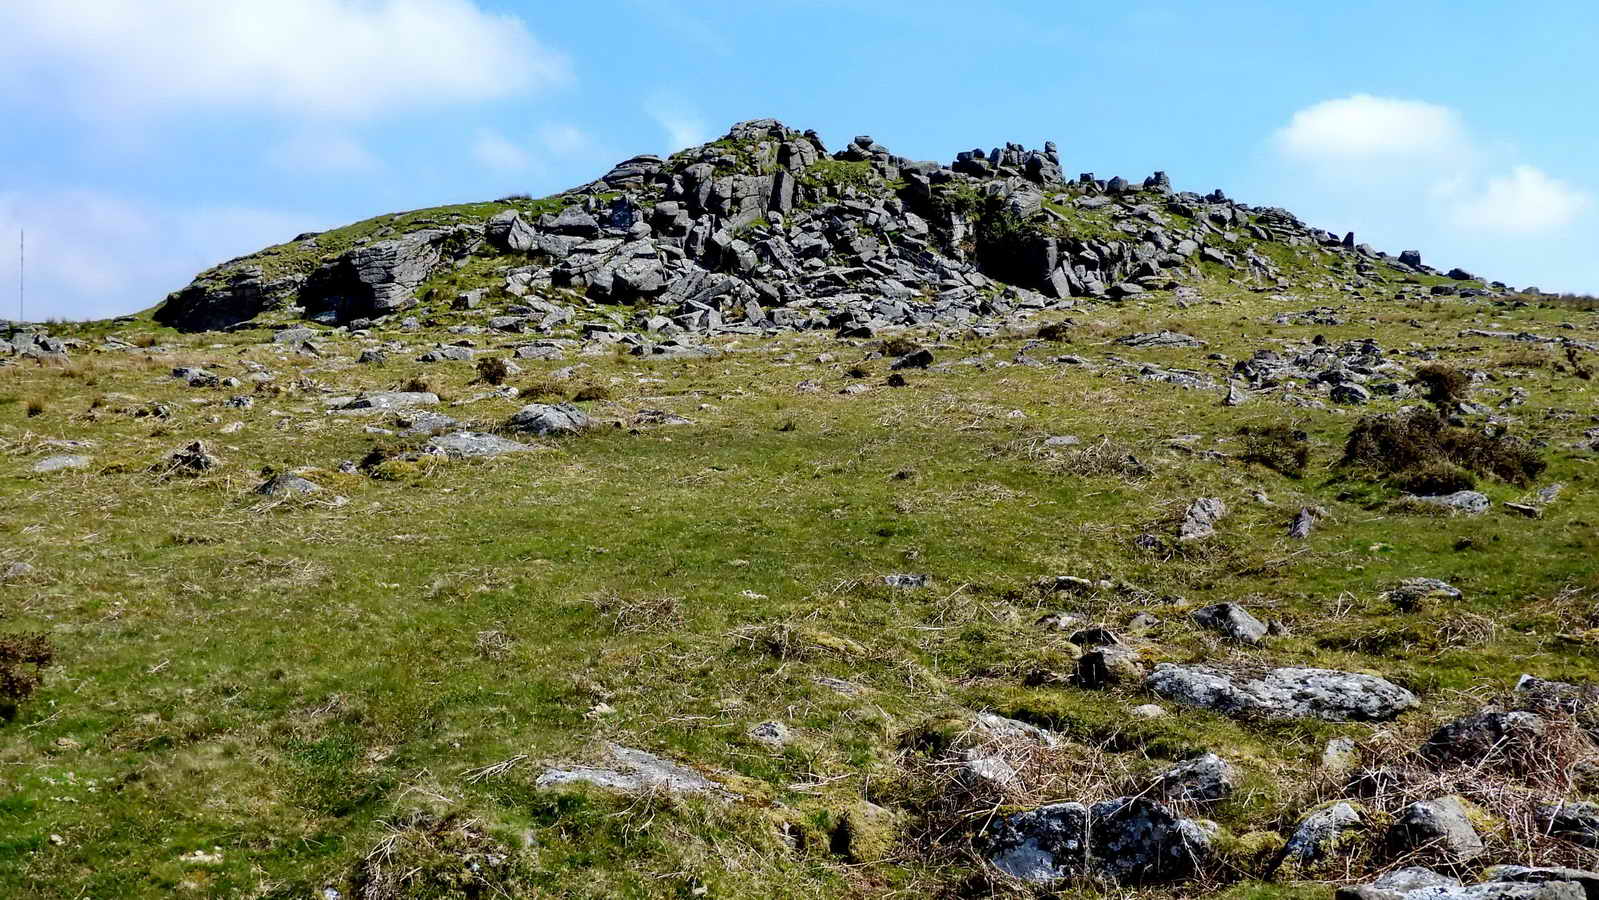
<point x="1232" y="621"/>
<point x="286" y="486"/>
<point x="1204" y="779"/>
<point x="1442" y="826"/>
<point x="1200" y="521"/>
<point x="772" y="734"/>
<point x="907" y="582"/>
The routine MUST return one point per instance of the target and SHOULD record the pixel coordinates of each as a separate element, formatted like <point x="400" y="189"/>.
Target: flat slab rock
<point x="391" y="400"/>
<point x="1499" y="883"/>
<point x="1285" y="693"/>
<point x="475" y="445"/>
<point x="62" y="462"/>
<point x="636" y="771"/>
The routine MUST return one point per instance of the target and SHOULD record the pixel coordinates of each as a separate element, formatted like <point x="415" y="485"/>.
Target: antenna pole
<point x="22" y="276"/>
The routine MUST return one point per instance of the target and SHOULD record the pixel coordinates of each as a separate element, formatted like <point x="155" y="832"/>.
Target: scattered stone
<point x="1491" y="733"/>
<point x="907" y="582"/>
<point x="1231" y="621"/>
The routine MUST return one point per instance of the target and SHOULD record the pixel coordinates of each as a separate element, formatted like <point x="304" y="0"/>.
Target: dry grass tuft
<point x="637" y="613"/>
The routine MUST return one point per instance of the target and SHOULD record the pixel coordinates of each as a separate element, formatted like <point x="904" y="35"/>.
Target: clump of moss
<point x="1277" y="447"/>
<point x="1404" y="446"/>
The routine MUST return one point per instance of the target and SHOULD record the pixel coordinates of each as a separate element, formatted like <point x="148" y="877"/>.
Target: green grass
<point x="293" y="682"/>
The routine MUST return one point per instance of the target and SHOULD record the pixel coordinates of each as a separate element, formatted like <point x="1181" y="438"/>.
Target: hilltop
<point x="764" y="229"/>
<point x="764" y="521"/>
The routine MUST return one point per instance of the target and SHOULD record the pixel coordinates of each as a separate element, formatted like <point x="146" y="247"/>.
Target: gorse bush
<point x="1410" y="446"/>
<point x="1277" y="447"/>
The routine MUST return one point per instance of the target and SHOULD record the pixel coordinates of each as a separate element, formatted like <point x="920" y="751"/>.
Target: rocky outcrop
<point x="765" y="230"/>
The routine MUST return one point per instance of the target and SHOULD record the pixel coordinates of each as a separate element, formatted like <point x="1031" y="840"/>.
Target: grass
<point x="264" y="701"/>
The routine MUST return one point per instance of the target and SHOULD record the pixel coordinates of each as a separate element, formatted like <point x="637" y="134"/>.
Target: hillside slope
<point x="938" y="532"/>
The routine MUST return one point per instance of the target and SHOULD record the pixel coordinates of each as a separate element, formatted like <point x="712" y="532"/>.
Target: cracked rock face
<point x="1283" y="693"/>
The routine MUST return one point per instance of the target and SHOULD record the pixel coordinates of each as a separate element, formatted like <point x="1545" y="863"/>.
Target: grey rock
<point x="545" y="420"/>
<point x="1491" y="733"/>
<point x="1041" y="846"/>
<point x="1139" y="840"/>
<point x="772" y="734"/>
<point x="372" y="356"/>
<point x="1471" y="503"/>
<point x="1160" y="339"/>
<point x="382" y="400"/>
<point x="907" y="582"/>
<point x="475" y="445"/>
<point x="287" y="486"/>
<point x="1201" y="518"/>
<point x="61" y="462"/>
<point x="1316" y="835"/>
<point x="508" y="232"/>
<point x="636" y="771"/>
<point x="1351" y="394"/>
<point x="1587" y="882"/>
<point x="1204" y="779"/>
<point x="1287" y="692"/>
<point x="1441" y="826"/>
<point x="1577" y="822"/>
<point x="1232" y="621"/>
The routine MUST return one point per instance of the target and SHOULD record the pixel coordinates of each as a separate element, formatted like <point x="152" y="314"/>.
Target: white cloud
<point x="313" y="152"/>
<point x="1361" y="129"/>
<point x="565" y="140"/>
<point x="93" y="254"/>
<point x="493" y="150"/>
<point x="1411" y="161"/>
<point x="345" y="58"/>
<point x="1525" y="201"/>
<point x="683" y="125"/>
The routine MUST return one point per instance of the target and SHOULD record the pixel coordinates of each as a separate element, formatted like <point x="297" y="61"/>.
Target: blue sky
<point x="149" y="139"/>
